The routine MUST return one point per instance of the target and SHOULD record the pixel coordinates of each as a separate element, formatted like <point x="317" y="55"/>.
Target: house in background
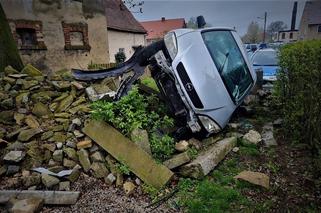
<point x="157" y="29"/>
<point x="54" y="35"/>
<point x="287" y="36"/>
<point x="310" y="26"/>
<point x="125" y="33"/>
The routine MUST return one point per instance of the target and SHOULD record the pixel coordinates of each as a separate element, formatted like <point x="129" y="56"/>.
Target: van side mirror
<point x="200" y="22"/>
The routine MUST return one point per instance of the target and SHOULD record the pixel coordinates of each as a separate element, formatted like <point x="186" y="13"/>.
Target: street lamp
<point x="265" y="15"/>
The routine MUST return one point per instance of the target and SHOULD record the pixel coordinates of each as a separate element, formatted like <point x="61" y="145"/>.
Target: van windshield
<point x="229" y="61"/>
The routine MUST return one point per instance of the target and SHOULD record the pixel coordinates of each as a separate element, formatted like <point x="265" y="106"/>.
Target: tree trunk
<point x="9" y="54"/>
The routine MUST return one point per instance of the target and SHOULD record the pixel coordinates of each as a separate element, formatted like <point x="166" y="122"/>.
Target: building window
<point x="76" y="36"/>
<point x="283" y="35"/>
<point x="291" y="35"/>
<point x="319" y="29"/>
<point x="76" y="39"/>
<point x="28" y="34"/>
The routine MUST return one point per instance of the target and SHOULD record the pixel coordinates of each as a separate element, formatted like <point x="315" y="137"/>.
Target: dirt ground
<point x="293" y="185"/>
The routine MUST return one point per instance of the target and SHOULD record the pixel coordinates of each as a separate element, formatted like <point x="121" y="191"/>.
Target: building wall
<point x="125" y="40"/>
<point x="306" y="31"/>
<point x="287" y="38"/>
<point x="55" y="57"/>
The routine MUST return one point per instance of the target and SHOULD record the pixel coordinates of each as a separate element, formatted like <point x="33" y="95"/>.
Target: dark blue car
<point x="266" y="59"/>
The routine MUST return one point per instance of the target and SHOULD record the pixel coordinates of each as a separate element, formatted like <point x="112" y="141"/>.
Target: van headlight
<point x="209" y="124"/>
<point x="171" y="44"/>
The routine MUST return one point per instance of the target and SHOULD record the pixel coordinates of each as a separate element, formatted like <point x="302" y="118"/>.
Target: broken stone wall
<point x="51" y="14"/>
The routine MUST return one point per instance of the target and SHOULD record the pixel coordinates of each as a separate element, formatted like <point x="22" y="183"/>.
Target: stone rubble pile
<point x="41" y="118"/>
<point x="41" y="123"/>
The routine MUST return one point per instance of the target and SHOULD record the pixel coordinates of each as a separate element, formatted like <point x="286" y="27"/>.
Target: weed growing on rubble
<point x="150" y="82"/>
<point x="123" y="168"/>
<point x="138" y="111"/>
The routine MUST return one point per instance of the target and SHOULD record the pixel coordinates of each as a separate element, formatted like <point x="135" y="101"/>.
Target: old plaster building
<point x="59" y="34"/>
<point x="310" y="26"/>
<point x="125" y="33"/>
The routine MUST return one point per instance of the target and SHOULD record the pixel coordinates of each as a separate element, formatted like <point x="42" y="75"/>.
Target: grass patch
<point x="248" y="149"/>
<point x="219" y="192"/>
<point x="211" y="197"/>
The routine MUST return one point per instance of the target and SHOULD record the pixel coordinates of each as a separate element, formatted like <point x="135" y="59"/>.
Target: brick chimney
<point x="294" y="11"/>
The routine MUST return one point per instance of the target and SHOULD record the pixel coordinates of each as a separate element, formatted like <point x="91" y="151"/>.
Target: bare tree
<point x="9" y="54"/>
<point x="134" y="6"/>
<point x="274" y="27"/>
<point x="253" y="34"/>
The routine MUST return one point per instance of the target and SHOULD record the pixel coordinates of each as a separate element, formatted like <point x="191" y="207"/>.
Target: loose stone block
<point x="124" y="150"/>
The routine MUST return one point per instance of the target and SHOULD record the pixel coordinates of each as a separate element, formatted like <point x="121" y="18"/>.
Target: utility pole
<point x="265" y="14"/>
<point x="264" y="31"/>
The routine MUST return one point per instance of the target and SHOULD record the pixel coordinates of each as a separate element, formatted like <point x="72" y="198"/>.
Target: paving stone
<point x="28" y="205"/>
<point x="31" y="71"/>
<point x="64" y="186"/>
<point x="59" y="145"/>
<point x="14" y="156"/>
<point x="84" y="159"/>
<point x="99" y="170"/>
<point x="97" y="157"/>
<point x="12" y="169"/>
<point x="31" y="121"/>
<point x="207" y="160"/>
<point x="69" y="163"/>
<point x="252" y="137"/>
<point x="26" y="135"/>
<point x="110" y="179"/>
<point x="74" y="174"/>
<point x="140" y="137"/>
<point x="84" y="144"/>
<point x="58" y="155"/>
<point x="31" y="180"/>
<point x="256" y="178"/>
<point x="129" y="188"/>
<point x="40" y="109"/>
<point x="267" y="135"/>
<point x="49" y="181"/>
<point x="177" y="160"/>
<point x="19" y="118"/>
<point x="181" y="146"/>
<point x="139" y="162"/>
<point x="71" y="153"/>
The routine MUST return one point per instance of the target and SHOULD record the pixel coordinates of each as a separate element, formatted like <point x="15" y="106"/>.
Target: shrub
<point x="120" y="57"/>
<point x="137" y="111"/>
<point x="298" y="91"/>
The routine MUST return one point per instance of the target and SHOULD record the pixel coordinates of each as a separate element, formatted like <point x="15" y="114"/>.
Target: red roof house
<point x="157" y="29"/>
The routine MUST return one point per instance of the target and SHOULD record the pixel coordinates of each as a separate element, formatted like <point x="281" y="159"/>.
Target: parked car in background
<point x="263" y="46"/>
<point x="275" y="45"/>
<point x="251" y="47"/>
<point x="266" y="59"/>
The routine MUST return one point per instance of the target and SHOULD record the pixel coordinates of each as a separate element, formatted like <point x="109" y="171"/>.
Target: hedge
<point x="298" y="89"/>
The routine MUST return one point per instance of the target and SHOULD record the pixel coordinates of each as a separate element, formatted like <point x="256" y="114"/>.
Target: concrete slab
<point x="129" y="153"/>
<point x="208" y="159"/>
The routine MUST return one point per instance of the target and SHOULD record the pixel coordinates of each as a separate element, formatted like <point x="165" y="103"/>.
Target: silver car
<point x="205" y="74"/>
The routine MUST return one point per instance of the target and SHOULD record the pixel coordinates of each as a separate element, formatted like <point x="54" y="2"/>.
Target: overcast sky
<point x="228" y="13"/>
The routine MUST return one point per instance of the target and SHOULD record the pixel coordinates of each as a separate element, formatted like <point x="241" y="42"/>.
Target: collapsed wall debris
<point x="47" y="139"/>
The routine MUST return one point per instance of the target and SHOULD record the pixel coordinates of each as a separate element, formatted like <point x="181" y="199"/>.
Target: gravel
<point x="97" y="197"/>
